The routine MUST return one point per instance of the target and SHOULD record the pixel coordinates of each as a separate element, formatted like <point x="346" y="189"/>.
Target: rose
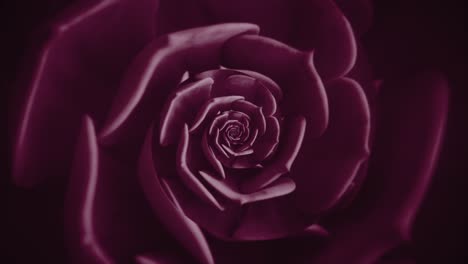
<point x="332" y="62"/>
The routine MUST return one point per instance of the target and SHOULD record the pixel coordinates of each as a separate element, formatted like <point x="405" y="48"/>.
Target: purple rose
<point x="233" y="131"/>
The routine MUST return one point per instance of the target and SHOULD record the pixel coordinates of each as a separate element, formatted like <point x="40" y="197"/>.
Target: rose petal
<point x="87" y="160"/>
<point x="408" y="141"/>
<point x="187" y="175"/>
<point x="266" y="144"/>
<point x="211" y="107"/>
<point x="167" y="208"/>
<point x="211" y="156"/>
<point x="107" y="217"/>
<point x="218" y="146"/>
<point x="332" y="161"/>
<point x="221" y="75"/>
<point x="281" y="187"/>
<point x="255" y="113"/>
<point x="273" y="16"/>
<point x="74" y="73"/>
<point x="358" y="12"/>
<point x="218" y="121"/>
<point x="267" y="82"/>
<point x="161" y="258"/>
<point x="329" y="34"/>
<point x="306" y="94"/>
<point x="161" y="66"/>
<point x="237" y="153"/>
<point x="251" y="89"/>
<point x="270" y="219"/>
<point x="180" y="108"/>
<point x="291" y="144"/>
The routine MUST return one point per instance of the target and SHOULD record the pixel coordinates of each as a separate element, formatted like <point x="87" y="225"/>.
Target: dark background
<point x="406" y="36"/>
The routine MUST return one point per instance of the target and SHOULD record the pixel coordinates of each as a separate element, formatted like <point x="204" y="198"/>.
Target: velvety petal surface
<point x="107" y="217"/>
<point x="408" y="139"/>
<point x="74" y="73"/>
<point x="159" y="68"/>
<point x="180" y="108"/>
<point x="166" y="205"/>
<point x="326" y="166"/>
<point x="323" y="28"/>
<point x="304" y="93"/>
<point x="358" y="12"/>
<point x="318" y="25"/>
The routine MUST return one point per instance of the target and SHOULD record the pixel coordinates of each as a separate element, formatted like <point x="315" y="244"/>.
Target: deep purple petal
<point x="161" y="66"/>
<point x="328" y="33"/>
<point x="306" y="95"/>
<point x="358" y="12"/>
<point x="279" y="188"/>
<point x="327" y="165"/>
<point x="266" y="144"/>
<point x="270" y="219"/>
<point x="255" y="87"/>
<point x="211" y="157"/>
<point x="75" y="73"/>
<point x="282" y="163"/>
<point x="251" y="89"/>
<point x="166" y="206"/>
<point x="187" y="176"/>
<point x="180" y="109"/>
<point x="86" y="167"/>
<point x="211" y="108"/>
<point x="107" y="217"/>
<point x="408" y="141"/>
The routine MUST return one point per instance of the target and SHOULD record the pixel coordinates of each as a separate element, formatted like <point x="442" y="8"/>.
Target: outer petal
<point x="321" y="26"/>
<point x="75" y="73"/>
<point x="358" y="12"/>
<point x="107" y="217"/>
<point x="408" y="141"/>
<point x="159" y="68"/>
<point x="326" y="166"/>
<point x="166" y="206"/>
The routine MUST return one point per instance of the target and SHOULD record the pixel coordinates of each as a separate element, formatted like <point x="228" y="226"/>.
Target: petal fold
<point x="166" y="206"/>
<point x="180" y="109"/>
<point x="161" y="65"/>
<point x="306" y="94"/>
<point x="75" y="72"/>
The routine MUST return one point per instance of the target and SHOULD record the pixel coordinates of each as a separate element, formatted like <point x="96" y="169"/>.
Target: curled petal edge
<point x="166" y="207"/>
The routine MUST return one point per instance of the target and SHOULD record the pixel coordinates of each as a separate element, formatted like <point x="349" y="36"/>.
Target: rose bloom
<point x="226" y="132"/>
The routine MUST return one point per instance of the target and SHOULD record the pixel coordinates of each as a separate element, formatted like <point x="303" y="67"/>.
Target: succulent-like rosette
<point x="207" y="134"/>
<point x="240" y="139"/>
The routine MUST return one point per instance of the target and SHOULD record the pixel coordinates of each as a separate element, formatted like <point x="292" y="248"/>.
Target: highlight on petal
<point x="85" y="177"/>
<point x="283" y="162"/>
<point x="65" y="82"/>
<point x="159" y="258"/>
<point x="211" y="156"/>
<point x="107" y="218"/>
<point x="166" y="207"/>
<point x="266" y="144"/>
<point x="408" y="140"/>
<point x="306" y="94"/>
<point x="328" y="34"/>
<point x="162" y="64"/>
<point x="281" y="187"/>
<point x="211" y="107"/>
<point x="187" y="176"/>
<point x="180" y="108"/>
<point x="253" y="91"/>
